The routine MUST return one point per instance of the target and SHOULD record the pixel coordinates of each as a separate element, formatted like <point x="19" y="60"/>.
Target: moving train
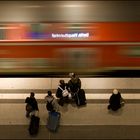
<point x="90" y="42"/>
<point x="89" y="59"/>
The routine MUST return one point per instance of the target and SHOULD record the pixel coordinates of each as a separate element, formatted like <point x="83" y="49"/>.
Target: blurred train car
<point x="95" y="40"/>
<point x="57" y="59"/>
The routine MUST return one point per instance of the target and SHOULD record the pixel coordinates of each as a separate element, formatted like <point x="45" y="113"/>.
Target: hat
<point x="115" y="91"/>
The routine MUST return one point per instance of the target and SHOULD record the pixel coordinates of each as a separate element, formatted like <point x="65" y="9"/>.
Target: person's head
<point x="32" y="94"/>
<point x="49" y="93"/>
<point x="62" y="82"/>
<point x="115" y="91"/>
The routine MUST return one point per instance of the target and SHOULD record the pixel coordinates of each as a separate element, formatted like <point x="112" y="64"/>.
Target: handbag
<point x="64" y="92"/>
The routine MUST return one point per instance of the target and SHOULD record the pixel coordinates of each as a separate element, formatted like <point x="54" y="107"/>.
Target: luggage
<point x="34" y="125"/>
<point x="53" y="121"/>
<point x="80" y="97"/>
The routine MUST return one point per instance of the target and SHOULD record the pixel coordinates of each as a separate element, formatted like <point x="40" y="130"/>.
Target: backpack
<point x="65" y="92"/>
<point x="49" y="106"/>
<point x="29" y="108"/>
<point x="27" y="100"/>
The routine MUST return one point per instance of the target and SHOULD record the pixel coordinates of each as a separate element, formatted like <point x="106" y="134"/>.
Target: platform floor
<point x="91" y="114"/>
<point x="92" y="121"/>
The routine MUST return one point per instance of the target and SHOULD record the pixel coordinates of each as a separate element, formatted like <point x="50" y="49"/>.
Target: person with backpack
<point x="74" y="84"/>
<point x="116" y="101"/>
<point x="31" y="104"/>
<point x="62" y="93"/>
<point x="51" y="103"/>
<point x="53" y="112"/>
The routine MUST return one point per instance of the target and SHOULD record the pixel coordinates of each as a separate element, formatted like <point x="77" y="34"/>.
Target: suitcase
<point x="80" y="97"/>
<point x="34" y="125"/>
<point x="53" y="121"/>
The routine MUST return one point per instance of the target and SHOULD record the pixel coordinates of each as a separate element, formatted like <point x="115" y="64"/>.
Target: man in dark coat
<point x="31" y="105"/>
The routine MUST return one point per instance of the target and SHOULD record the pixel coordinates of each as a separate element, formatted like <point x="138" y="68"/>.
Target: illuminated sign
<point x="107" y="31"/>
<point x="70" y="35"/>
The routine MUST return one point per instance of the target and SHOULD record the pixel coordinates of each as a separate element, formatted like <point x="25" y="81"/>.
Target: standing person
<point x="31" y="105"/>
<point x="53" y="114"/>
<point x="51" y="103"/>
<point x="74" y="84"/>
<point x="62" y="93"/>
<point x="116" y="101"/>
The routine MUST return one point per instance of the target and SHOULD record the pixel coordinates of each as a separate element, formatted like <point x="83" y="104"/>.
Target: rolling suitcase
<point x="53" y="121"/>
<point x="80" y="98"/>
<point x="34" y="125"/>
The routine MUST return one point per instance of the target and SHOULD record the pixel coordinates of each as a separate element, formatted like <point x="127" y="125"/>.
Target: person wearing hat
<point x="115" y="101"/>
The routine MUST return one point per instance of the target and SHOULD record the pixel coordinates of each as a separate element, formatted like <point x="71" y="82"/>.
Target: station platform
<point x="93" y="121"/>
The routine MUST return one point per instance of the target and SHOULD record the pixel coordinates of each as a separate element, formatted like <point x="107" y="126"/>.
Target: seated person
<point x="74" y="84"/>
<point x="115" y="101"/>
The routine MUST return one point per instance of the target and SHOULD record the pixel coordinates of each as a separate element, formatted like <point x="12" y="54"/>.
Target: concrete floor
<point x="92" y="121"/>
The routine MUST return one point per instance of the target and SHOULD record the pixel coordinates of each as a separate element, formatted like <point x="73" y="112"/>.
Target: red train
<point x="83" y="48"/>
<point x="66" y="58"/>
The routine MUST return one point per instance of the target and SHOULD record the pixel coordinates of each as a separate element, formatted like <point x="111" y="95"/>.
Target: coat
<point x="115" y="101"/>
<point x="74" y="84"/>
<point x="54" y="102"/>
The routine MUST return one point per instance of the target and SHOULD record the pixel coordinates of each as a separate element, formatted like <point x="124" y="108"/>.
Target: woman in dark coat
<point x="115" y="101"/>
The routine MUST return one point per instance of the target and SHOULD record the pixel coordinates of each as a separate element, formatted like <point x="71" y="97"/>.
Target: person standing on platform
<point x="31" y="104"/>
<point x="51" y="102"/>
